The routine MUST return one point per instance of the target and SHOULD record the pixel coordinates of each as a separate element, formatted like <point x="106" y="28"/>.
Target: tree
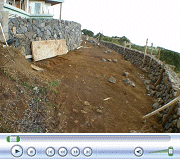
<point x="123" y="39"/>
<point x="88" y="32"/>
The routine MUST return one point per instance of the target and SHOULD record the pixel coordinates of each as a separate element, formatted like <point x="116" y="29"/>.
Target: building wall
<point x="165" y="91"/>
<point x="44" y="7"/>
<point x="27" y="30"/>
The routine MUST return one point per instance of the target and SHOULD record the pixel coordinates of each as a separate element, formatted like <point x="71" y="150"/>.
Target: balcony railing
<point x="16" y="12"/>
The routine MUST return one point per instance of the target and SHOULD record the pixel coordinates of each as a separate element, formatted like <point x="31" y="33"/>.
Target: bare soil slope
<point x="74" y="94"/>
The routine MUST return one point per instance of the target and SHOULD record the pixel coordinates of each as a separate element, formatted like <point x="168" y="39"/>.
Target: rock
<point x="75" y="121"/>
<point x="99" y="111"/>
<point x="109" y="60"/>
<point x="133" y="131"/>
<point x="115" y="60"/>
<point x="155" y="105"/>
<point x="17" y="43"/>
<point x="105" y="52"/>
<point x="168" y="125"/>
<point x="22" y="30"/>
<point x="152" y="93"/>
<point x="178" y="123"/>
<point x="42" y="25"/>
<point x="126" y="74"/>
<point x="109" y="51"/>
<point x="157" y="87"/>
<point x="86" y="103"/>
<point x="112" y="80"/>
<point x="154" y="127"/>
<point x="152" y="87"/>
<point x="36" y="89"/>
<point x="92" y="120"/>
<point x="104" y="60"/>
<point x="132" y="83"/>
<point x="48" y="33"/>
<point x="147" y="82"/>
<point x="148" y="87"/>
<point x="175" y="116"/>
<point x="178" y="111"/>
<point x="169" y="130"/>
<point x="74" y="110"/>
<point x="83" y="111"/>
<point x="159" y="115"/>
<point x="55" y="36"/>
<point x="170" y="118"/>
<point x="126" y="81"/>
<point x="174" y="122"/>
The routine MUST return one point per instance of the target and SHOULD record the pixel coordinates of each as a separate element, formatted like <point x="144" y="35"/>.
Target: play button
<point x="17" y="151"/>
<point x="138" y="151"/>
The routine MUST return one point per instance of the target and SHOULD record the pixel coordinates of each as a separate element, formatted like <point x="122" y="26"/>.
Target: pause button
<point x="75" y="151"/>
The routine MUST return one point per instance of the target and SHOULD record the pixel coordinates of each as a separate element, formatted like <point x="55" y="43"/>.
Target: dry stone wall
<point x="27" y="30"/>
<point x="165" y="91"/>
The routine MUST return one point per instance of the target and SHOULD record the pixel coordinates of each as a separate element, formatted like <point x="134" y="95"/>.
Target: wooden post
<point x="171" y="109"/>
<point x="20" y="4"/>
<point x="145" y="53"/>
<point x="14" y="2"/>
<point x="3" y="34"/>
<point x="60" y="11"/>
<point x="162" y="108"/>
<point x="159" y="56"/>
<point x="151" y="55"/>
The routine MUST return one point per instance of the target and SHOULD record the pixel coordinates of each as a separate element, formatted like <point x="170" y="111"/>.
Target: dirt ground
<point x="74" y="95"/>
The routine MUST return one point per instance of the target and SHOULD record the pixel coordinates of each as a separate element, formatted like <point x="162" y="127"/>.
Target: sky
<point x="157" y="20"/>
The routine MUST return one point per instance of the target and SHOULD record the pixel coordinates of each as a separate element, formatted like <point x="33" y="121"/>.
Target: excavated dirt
<point x="74" y="94"/>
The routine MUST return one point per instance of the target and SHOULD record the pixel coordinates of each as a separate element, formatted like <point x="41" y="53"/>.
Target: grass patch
<point x="54" y="83"/>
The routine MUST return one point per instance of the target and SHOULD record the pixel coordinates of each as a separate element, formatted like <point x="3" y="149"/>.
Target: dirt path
<point x="83" y="99"/>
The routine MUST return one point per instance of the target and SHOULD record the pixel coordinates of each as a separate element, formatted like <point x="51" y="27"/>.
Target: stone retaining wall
<point x="27" y="30"/>
<point x="164" y="92"/>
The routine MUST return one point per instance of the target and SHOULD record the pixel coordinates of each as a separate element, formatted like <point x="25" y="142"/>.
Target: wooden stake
<point x="60" y="11"/>
<point x="171" y="109"/>
<point x="3" y="34"/>
<point x="151" y="55"/>
<point x="145" y="53"/>
<point x="161" y="74"/>
<point x="20" y="4"/>
<point x="159" y="56"/>
<point x="162" y="108"/>
<point x="37" y="68"/>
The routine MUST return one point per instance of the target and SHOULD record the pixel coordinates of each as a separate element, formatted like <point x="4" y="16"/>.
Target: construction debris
<point x="37" y="68"/>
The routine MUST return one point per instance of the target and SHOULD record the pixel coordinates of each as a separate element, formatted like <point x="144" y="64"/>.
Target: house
<point x="25" y="9"/>
<point x="30" y="8"/>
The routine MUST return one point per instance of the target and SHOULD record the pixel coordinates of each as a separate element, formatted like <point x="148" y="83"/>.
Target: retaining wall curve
<point x="165" y="91"/>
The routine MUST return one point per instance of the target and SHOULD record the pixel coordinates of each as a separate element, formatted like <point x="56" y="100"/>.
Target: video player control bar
<point x="93" y="146"/>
